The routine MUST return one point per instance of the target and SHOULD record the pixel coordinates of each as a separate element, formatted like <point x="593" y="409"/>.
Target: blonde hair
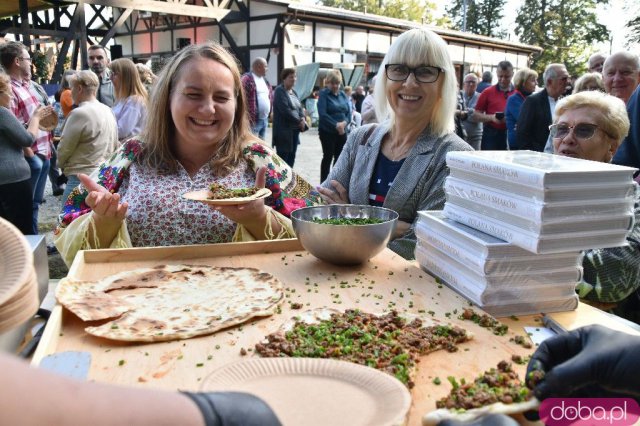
<point x="522" y="76"/>
<point x="333" y="76"/>
<point x="85" y="78"/>
<point x="416" y="47"/>
<point x="159" y="133"/>
<point x="587" y="79"/>
<point x="5" y="83"/>
<point x="130" y="84"/>
<point x="146" y="75"/>
<point x="612" y="115"/>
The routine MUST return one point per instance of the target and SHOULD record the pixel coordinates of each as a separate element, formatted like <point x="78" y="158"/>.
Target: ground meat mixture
<point x="221" y="192"/>
<point x="388" y="342"/>
<point x="500" y="384"/>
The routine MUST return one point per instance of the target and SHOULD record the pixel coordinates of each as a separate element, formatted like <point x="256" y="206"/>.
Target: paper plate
<point x="313" y="391"/>
<point x="202" y="196"/>
<point x="20" y="309"/>
<point x="16" y="260"/>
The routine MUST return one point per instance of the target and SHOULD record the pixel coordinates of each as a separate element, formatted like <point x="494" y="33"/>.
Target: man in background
<point x="259" y="96"/>
<point x="368" y="106"/>
<point x="358" y="97"/>
<point x="490" y="109"/>
<point x="16" y="61"/>
<point x="537" y="110"/>
<point x="98" y="61"/>
<point x="469" y="96"/>
<point x="487" y="77"/>
<point x="621" y="74"/>
<point x="596" y="61"/>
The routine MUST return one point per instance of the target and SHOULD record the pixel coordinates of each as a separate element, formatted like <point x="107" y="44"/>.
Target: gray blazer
<point x="13" y="137"/>
<point x="418" y="185"/>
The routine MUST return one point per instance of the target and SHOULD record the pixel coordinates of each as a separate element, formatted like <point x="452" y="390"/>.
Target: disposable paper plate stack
<point x="18" y="281"/>
<point x="515" y="222"/>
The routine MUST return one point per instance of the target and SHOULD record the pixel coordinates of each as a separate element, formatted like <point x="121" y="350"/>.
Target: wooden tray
<point x="386" y="281"/>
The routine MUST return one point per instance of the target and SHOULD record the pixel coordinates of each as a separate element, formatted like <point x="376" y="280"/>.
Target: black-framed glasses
<point x="423" y="73"/>
<point x="25" y="59"/>
<point x="582" y="131"/>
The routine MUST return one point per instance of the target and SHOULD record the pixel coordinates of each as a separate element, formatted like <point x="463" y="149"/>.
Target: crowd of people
<point x="125" y="173"/>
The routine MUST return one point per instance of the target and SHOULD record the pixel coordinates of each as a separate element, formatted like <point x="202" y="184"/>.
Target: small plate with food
<point x="219" y="195"/>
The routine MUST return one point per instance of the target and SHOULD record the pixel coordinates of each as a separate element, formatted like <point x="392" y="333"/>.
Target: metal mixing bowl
<point x="344" y="244"/>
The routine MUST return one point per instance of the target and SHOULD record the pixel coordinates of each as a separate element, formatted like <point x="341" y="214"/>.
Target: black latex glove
<point x="490" y="420"/>
<point x="233" y="409"/>
<point x="591" y="361"/>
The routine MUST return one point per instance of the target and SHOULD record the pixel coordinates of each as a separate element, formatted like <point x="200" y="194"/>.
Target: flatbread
<point x="204" y="196"/>
<point x="170" y="302"/>
<point x="508" y="379"/>
<point x="388" y="342"/>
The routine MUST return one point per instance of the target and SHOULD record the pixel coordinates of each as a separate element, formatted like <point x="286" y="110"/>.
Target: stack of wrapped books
<point x="515" y="222"/>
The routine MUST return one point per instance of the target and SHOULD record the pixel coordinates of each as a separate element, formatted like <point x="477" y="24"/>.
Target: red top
<point x="493" y="100"/>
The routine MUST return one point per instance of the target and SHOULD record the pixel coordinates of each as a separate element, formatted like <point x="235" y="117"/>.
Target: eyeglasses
<point x="582" y="131"/>
<point x="470" y="82"/>
<point x="25" y="59"/>
<point x="424" y="73"/>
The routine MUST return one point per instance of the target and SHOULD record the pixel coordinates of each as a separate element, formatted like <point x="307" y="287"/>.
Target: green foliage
<point x="41" y="65"/>
<point x="413" y="10"/>
<point x="565" y="29"/>
<point x="483" y="16"/>
<point x="633" y="24"/>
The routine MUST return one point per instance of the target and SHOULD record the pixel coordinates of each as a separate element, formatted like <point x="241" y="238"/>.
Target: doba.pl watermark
<point x="589" y="411"/>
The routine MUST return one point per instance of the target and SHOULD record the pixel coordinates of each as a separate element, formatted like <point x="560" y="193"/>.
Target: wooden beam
<point x="124" y="15"/>
<point x="162" y="7"/>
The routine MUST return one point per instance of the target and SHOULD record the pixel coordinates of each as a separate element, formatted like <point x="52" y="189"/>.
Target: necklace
<point x="398" y="151"/>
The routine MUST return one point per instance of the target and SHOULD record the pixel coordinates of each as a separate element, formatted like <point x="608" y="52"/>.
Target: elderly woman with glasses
<point x="591" y="125"/>
<point x="400" y="163"/>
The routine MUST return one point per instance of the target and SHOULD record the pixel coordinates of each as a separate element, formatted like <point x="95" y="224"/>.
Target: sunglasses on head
<point x="581" y="131"/>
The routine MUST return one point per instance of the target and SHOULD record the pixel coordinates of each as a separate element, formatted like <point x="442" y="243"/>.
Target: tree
<point x="633" y="24"/>
<point x="413" y="10"/>
<point x="483" y="16"/>
<point x="565" y="29"/>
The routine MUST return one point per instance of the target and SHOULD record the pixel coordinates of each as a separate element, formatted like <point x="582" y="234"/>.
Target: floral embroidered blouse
<point x="157" y="213"/>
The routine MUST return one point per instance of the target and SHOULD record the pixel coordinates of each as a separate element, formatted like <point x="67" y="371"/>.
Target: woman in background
<point x="591" y="125"/>
<point x="288" y="117"/>
<point x="589" y="81"/>
<point x="131" y="98"/>
<point x="334" y="111"/>
<point x="525" y="84"/>
<point x="16" y="196"/>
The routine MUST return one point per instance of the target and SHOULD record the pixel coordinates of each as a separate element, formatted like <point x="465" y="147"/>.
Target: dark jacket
<point x="286" y="119"/>
<point x="532" y="130"/>
<point x="628" y="153"/>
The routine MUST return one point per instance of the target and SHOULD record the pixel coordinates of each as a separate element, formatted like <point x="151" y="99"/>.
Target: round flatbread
<point x="204" y="196"/>
<point x="170" y="302"/>
<point x="436" y="416"/>
<point x="49" y="121"/>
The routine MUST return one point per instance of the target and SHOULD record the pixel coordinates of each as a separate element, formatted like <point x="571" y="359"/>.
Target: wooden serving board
<point x="385" y="282"/>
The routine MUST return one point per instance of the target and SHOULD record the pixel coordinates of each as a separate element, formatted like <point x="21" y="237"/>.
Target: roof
<point x="12" y="7"/>
<point x="383" y="22"/>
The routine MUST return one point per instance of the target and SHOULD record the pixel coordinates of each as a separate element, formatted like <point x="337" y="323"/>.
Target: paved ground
<point x="307" y="165"/>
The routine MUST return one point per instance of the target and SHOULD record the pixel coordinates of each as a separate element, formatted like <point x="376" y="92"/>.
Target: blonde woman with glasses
<point x="591" y="125"/>
<point x="130" y="108"/>
<point x="400" y="163"/>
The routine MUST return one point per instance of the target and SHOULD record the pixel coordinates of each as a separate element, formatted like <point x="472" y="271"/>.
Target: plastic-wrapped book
<point x="537" y="169"/>
<point x="535" y="242"/>
<point x="483" y="253"/>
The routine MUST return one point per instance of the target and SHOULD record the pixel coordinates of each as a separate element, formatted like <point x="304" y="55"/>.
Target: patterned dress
<point x="158" y="215"/>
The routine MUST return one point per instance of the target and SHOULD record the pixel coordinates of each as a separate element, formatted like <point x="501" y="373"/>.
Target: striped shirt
<point x="23" y="105"/>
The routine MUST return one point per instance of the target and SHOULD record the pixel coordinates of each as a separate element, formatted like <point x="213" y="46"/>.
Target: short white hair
<point x="415" y="47"/>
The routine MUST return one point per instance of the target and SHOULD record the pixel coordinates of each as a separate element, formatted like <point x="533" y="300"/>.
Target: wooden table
<point x="385" y="282"/>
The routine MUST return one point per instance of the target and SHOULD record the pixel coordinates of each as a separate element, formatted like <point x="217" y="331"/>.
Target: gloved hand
<point x="490" y="420"/>
<point x="233" y="409"/>
<point x="591" y="361"/>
